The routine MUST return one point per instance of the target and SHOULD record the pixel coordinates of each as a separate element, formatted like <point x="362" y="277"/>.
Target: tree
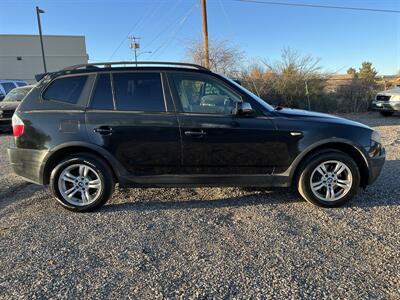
<point x="296" y="77"/>
<point x="257" y="79"/>
<point x="224" y="57"/>
<point x="352" y="71"/>
<point x="367" y="75"/>
<point x="359" y="93"/>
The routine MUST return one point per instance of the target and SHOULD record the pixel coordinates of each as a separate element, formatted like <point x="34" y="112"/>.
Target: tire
<point x="339" y="182"/>
<point x="387" y="113"/>
<point x="87" y="177"/>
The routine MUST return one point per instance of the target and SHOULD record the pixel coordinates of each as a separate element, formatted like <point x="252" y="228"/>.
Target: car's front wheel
<point x="82" y="182"/>
<point x="329" y="179"/>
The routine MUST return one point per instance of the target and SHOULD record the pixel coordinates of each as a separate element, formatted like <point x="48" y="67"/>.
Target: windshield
<point x="16" y="95"/>
<point x="255" y="97"/>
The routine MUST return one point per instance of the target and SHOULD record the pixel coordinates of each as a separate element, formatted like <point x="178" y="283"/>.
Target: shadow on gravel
<point x="384" y="192"/>
<point x="268" y="198"/>
<point x="15" y="193"/>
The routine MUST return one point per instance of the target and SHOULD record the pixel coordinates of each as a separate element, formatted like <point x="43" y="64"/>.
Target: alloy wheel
<point x="331" y="180"/>
<point x="79" y="184"/>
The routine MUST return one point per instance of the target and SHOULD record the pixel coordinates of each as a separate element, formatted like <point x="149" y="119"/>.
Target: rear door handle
<point x="198" y="134"/>
<point x="104" y="130"/>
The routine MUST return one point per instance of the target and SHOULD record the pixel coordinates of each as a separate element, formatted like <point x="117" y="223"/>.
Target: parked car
<point x="7" y="85"/>
<point x="85" y="128"/>
<point x="387" y="102"/>
<point x="9" y="105"/>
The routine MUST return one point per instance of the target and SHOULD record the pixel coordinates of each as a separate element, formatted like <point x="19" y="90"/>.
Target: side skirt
<point x="205" y="181"/>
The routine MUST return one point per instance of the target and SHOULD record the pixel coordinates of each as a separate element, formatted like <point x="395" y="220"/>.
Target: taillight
<point x="18" y="126"/>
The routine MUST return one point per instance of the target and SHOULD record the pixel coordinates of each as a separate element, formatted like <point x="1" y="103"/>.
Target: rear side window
<point x="102" y="97"/>
<point x="8" y="86"/>
<point x="139" y="92"/>
<point x="67" y="89"/>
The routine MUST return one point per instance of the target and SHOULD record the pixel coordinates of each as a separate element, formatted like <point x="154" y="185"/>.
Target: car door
<point x="128" y="115"/>
<point x="215" y="141"/>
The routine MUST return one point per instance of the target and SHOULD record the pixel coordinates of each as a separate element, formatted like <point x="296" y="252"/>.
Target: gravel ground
<point x="204" y="243"/>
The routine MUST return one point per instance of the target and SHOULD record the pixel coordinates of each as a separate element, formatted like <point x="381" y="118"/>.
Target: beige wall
<point x="60" y="51"/>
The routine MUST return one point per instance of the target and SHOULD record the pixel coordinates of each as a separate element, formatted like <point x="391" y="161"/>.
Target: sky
<point x="340" y="38"/>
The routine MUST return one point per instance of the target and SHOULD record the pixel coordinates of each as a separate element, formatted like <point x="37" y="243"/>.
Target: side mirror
<point x="244" y="109"/>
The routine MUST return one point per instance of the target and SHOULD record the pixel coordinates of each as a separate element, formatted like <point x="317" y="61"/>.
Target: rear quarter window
<point x="67" y="89"/>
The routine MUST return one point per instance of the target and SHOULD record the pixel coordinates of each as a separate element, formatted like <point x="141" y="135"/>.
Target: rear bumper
<point x="375" y="166"/>
<point x="27" y="163"/>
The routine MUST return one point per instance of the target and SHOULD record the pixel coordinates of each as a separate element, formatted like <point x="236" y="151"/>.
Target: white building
<point x="21" y="56"/>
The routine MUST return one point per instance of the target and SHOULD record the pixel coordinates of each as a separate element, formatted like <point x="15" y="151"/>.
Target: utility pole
<point x="205" y="34"/>
<point x="135" y="46"/>
<point x="38" y="12"/>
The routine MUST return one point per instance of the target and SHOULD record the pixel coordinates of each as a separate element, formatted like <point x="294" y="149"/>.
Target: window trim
<point x="175" y="94"/>
<point x="89" y="105"/>
<point x="44" y="90"/>
<point x="159" y="72"/>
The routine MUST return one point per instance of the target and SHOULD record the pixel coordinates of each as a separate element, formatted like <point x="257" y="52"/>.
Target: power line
<point x="165" y="28"/>
<point x="143" y="17"/>
<point x="319" y="6"/>
<point x="180" y="25"/>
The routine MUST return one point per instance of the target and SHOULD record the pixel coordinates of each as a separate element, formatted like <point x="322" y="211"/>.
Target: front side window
<point x="204" y="95"/>
<point x="8" y="86"/>
<point x="138" y="92"/>
<point x="67" y="89"/>
<point x="102" y="97"/>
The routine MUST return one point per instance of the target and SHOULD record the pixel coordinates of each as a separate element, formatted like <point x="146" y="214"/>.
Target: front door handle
<point x="104" y="130"/>
<point x="198" y="134"/>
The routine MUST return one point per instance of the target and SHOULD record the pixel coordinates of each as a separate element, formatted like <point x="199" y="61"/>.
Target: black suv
<point x="85" y="128"/>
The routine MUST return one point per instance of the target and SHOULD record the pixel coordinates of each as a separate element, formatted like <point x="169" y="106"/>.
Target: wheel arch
<point x="60" y="152"/>
<point x="341" y="145"/>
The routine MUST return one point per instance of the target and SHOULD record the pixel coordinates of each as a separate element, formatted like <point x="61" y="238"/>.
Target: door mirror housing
<point x="244" y="109"/>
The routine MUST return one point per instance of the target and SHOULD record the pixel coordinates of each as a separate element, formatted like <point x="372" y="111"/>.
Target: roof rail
<point x="135" y="64"/>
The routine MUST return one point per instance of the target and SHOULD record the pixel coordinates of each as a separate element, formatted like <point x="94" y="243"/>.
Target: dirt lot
<point x="204" y="243"/>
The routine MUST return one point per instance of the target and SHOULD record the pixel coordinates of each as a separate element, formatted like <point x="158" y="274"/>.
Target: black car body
<point x="10" y="104"/>
<point x="170" y="124"/>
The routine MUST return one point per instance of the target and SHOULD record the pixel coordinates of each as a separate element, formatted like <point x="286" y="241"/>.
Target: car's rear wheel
<point x="387" y="113"/>
<point x="329" y="179"/>
<point x="82" y="182"/>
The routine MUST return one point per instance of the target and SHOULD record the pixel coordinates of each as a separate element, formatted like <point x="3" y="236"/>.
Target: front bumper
<point x="375" y="166"/>
<point x="27" y="163"/>
<point x="386" y="105"/>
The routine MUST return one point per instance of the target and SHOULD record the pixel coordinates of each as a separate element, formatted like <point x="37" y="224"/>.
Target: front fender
<point x="330" y="143"/>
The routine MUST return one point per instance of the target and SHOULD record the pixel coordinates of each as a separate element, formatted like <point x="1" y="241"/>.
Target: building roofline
<point x="44" y="35"/>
